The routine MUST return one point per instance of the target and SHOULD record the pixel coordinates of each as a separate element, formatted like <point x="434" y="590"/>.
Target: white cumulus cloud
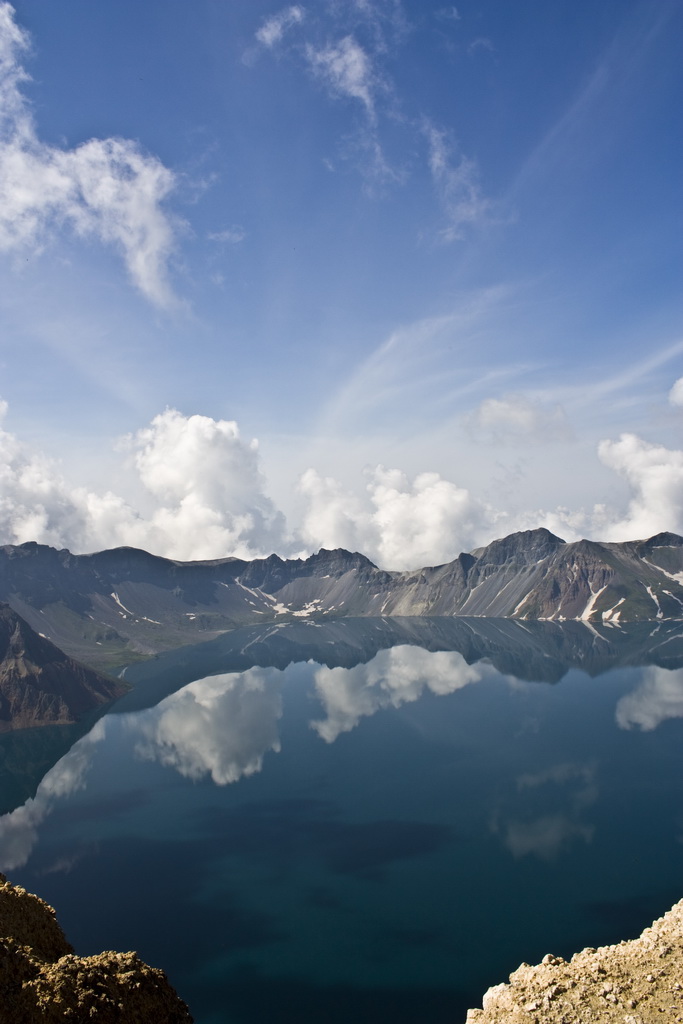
<point x="191" y="487"/>
<point x="431" y="517"/>
<point x="208" y="497"/>
<point x="676" y="393"/>
<point x="107" y="188"/>
<point x="655" y="475"/>
<point x="400" y="524"/>
<point x="334" y="518"/>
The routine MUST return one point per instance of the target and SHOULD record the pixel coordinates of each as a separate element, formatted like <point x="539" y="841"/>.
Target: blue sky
<point x="427" y="256"/>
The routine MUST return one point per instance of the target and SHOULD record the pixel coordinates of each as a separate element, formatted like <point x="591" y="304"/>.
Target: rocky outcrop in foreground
<point x="41" y="980"/>
<point x="636" y="982"/>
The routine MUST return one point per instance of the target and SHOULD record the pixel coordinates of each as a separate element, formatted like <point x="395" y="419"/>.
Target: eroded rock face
<point x="636" y="982"/>
<point x="41" y="980"/>
<point x="39" y="684"/>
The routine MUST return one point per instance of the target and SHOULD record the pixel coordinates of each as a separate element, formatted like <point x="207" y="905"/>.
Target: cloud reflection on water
<point x="544" y="837"/>
<point x="221" y="726"/>
<point x="393" y="677"/>
<point x="563" y="792"/>
<point x="658" y="697"/>
<point x="19" y="828"/>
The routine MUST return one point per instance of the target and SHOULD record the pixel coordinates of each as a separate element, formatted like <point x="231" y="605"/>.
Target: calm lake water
<point x="301" y="839"/>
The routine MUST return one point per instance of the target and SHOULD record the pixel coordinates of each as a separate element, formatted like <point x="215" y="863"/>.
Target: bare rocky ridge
<point x="636" y="982"/>
<point x="41" y="980"/>
<point x="114" y="607"/>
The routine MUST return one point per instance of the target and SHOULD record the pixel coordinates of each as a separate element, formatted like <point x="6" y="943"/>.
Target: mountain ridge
<point x="112" y="607"/>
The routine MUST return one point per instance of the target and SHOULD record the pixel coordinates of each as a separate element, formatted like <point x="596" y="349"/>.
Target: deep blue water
<point x="332" y="843"/>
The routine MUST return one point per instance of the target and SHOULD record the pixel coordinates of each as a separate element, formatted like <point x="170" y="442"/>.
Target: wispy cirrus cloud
<point x="516" y="416"/>
<point x="233" y="235"/>
<point x="348" y="50"/>
<point x="481" y="43"/>
<point x="588" y="124"/>
<point x="105" y="188"/>
<point x="385" y="19"/>
<point x="456" y="178"/>
<point x="450" y="13"/>
<point x="424" y="365"/>
<point x="274" y="28"/>
<point x="347" y="71"/>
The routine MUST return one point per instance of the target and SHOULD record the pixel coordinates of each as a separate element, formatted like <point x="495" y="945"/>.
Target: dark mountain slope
<point x="113" y="607"/>
<point x="39" y="684"/>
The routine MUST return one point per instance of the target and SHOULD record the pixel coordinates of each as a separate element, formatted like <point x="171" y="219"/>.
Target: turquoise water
<point x="390" y="837"/>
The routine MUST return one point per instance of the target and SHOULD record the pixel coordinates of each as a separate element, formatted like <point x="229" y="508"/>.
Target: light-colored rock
<point x="636" y="982"/>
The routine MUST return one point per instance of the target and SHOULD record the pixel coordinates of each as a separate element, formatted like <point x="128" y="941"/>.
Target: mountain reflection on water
<point x="377" y="816"/>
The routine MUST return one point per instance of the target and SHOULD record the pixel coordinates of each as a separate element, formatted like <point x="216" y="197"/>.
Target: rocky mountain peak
<point x="340" y="559"/>
<point x="524" y="546"/>
<point x="662" y="540"/>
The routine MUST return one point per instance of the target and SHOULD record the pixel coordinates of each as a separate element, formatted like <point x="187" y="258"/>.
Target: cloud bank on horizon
<point x="424" y="253"/>
<point x="208" y="499"/>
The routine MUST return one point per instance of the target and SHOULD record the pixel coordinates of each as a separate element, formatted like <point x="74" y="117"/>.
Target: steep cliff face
<point x="39" y="684"/>
<point x="41" y="980"/>
<point x="610" y="582"/>
<point x="535" y="575"/>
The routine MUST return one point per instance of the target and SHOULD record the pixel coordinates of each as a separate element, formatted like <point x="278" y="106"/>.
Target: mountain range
<point x="113" y="607"/>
